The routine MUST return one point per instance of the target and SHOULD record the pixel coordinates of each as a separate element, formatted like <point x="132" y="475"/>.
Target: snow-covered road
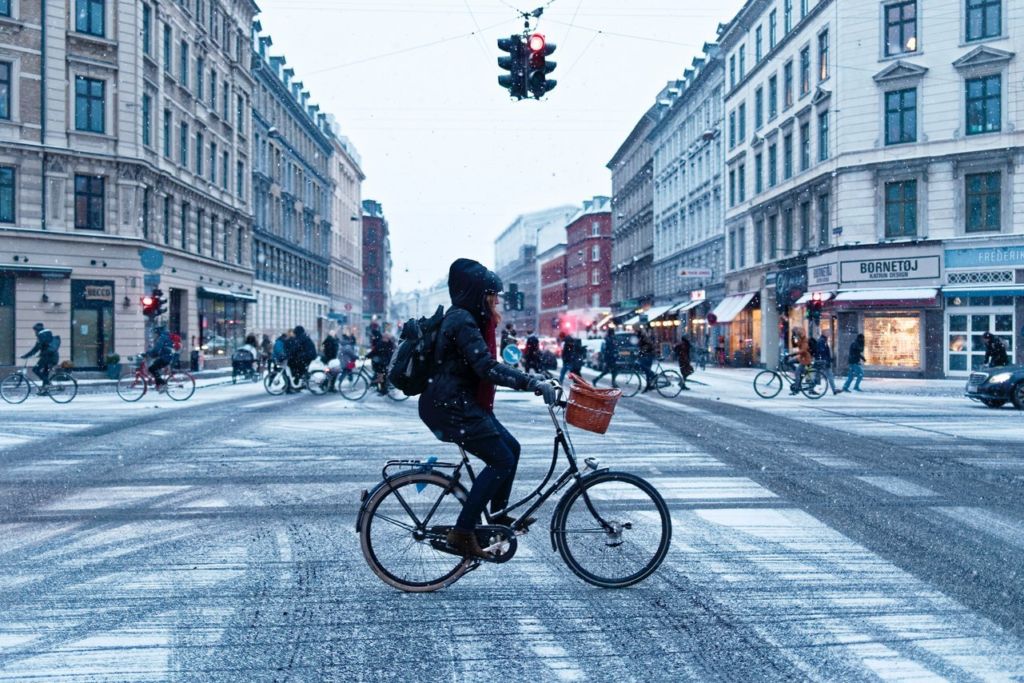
<point x="859" y="537"/>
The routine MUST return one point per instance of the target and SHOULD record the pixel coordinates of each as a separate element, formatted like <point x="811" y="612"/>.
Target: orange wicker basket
<point x="590" y="408"/>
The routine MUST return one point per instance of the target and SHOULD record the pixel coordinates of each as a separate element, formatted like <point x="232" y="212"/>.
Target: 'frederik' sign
<point x="890" y="269"/>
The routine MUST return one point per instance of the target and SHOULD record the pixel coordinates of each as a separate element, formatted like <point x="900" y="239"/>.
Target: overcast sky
<point x="452" y="159"/>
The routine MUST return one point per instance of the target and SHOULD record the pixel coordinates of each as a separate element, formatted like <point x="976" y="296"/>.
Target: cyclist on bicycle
<point x="803" y="357"/>
<point x="162" y="354"/>
<point x="458" y="405"/>
<point x="48" y="356"/>
<point x="301" y="352"/>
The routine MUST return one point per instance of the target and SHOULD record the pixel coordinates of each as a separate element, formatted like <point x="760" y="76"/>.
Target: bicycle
<point x="62" y="387"/>
<point x="353" y="385"/>
<point x="669" y="383"/>
<point x="769" y="383"/>
<point x="604" y="518"/>
<point x="180" y="385"/>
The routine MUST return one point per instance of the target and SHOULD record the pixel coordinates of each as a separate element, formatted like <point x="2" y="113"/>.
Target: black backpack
<point x="413" y="363"/>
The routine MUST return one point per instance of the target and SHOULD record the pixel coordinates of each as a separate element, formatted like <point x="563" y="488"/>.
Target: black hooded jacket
<point x="449" y="406"/>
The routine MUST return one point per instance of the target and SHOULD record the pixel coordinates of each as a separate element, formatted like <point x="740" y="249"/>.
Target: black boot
<point x="507" y="520"/>
<point x="465" y="542"/>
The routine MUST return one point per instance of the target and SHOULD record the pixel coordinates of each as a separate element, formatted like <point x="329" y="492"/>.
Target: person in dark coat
<point x="823" y="362"/>
<point x="162" y="353"/>
<point x="458" y="405"/>
<point x="995" y="351"/>
<point x="682" y="351"/>
<point x="531" y="355"/>
<point x="48" y="355"/>
<point x="570" y="352"/>
<point x="855" y="364"/>
<point x="609" y="358"/>
<point x="508" y="336"/>
<point x="301" y="352"/>
<point x="329" y="347"/>
<point x="646" y="351"/>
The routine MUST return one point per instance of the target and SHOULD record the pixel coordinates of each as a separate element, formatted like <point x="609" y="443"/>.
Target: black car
<point x="996" y="386"/>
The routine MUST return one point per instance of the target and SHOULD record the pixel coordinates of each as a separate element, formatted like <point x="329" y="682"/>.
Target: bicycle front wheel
<point x="613" y="530"/>
<point x="317" y="383"/>
<point x="669" y="383"/>
<point x="353" y="386"/>
<point x="396" y="394"/>
<point x="630" y="383"/>
<point x="180" y="386"/>
<point x="63" y="387"/>
<point x="768" y="384"/>
<point x="814" y="385"/>
<point x="131" y="388"/>
<point x="398" y="523"/>
<point x="275" y="382"/>
<point x="15" y="388"/>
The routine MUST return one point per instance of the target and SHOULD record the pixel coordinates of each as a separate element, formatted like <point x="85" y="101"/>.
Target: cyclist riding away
<point x="162" y="354"/>
<point x="458" y="405"/>
<point x="46" y="346"/>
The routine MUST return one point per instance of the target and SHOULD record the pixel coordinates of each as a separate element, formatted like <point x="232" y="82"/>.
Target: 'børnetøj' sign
<point x="904" y="268"/>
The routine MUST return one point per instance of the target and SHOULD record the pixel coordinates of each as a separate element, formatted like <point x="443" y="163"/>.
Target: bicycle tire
<point x="180" y="386"/>
<point x="669" y="383"/>
<point x="353" y="387"/>
<point x="396" y="394"/>
<point x="63" y="387"/>
<point x="630" y="383"/>
<point x="385" y="523"/>
<point x="15" y="388"/>
<point x="813" y="385"/>
<point x="768" y="384"/>
<point x="132" y="388"/>
<point x="274" y="383"/>
<point x="317" y="382"/>
<point x="616" y="497"/>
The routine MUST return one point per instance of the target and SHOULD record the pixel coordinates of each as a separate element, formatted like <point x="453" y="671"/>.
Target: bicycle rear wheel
<point x="396" y="394"/>
<point x="180" y="386"/>
<point x="131" y="388"/>
<point x="15" y="388"/>
<point x="669" y="383"/>
<point x="814" y="385"/>
<point x="630" y="383"/>
<point x="317" y="382"/>
<point x="275" y="382"/>
<point x="613" y="530"/>
<point x="63" y="387"/>
<point x="398" y="523"/>
<point x="353" y="386"/>
<point x="768" y="384"/>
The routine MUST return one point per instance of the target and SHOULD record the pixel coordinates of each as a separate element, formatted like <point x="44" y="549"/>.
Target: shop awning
<point x="217" y="293"/>
<point x="655" y="312"/>
<point x="824" y="296"/>
<point x="47" y="272"/>
<point x="916" y="294"/>
<point x="632" y="321"/>
<point x="689" y="305"/>
<point x="604" y="321"/>
<point x="730" y="307"/>
<point x="990" y="290"/>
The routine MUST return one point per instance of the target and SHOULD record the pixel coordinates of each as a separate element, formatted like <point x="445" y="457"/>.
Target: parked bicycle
<point x="179" y="383"/>
<point x="354" y="384"/>
<point x="612" y="529"/>
<point x="769" y="383"/>
<point x="62" y="387"/>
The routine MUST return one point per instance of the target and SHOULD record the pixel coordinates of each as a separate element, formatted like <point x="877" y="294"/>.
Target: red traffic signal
<point x="536" y="42"/>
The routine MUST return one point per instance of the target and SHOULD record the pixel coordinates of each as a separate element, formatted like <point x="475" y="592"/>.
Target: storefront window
<point x="222" y="323"/>
<point x="6" y="320"/>
<point x="893" y="340"/>
<point x="965" y="328"/>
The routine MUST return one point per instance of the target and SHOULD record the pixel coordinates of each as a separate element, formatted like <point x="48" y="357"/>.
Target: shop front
<point x="7" y="337"/>
<point x="736" y="323"/>
<point x="92" y="323"/>
<point x="223" y="320"/>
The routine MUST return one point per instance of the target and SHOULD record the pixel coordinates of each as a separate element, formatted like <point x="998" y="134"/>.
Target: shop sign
<point x="695" y="272"/>
<point x="900" y="269"/>
<point x="985" y="257"/>
<point x="790" y="285"/>
<point x="698" y="294"/>
<point x="99" y="293"/>
<point x="822" y="274"/>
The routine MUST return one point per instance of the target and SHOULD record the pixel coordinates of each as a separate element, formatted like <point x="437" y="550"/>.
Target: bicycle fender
<point x="565" y="496"/>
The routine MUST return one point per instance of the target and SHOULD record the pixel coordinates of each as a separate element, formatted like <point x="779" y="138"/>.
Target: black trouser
<point x="494" y="483"/>
<point x="609" y="367"/>
<point x="42" y="370"/>
<point x="154" y="369"/>
<point x="298" y="368"/>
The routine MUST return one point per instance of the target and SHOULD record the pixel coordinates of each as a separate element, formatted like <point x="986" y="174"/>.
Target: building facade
<point x="346" y="249"/>
<point x="872" y="157"/>
<point x="588" y="263"/>
<point x="688" y="200"/>
<point x="116" y="125"/>
<point x="292" y="193"/>
<point x="553" y="291"/>
<point x="376" y="264"/>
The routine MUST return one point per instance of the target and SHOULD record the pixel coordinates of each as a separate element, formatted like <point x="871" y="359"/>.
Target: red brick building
<point x="376" y="263"/>
<point x="588" y="256"/>
<point x="553" y="290"/>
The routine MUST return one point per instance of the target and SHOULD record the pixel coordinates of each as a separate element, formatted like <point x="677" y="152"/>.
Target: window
<point x="901" y="116"/>
<point x="742" y="123"/>
<point x="823" y="56"/>
<point x="200" y="77"/>
<point x="183" y="64"/>
<point x="743" y="61"/>
<point x="595" y="277"/>
<point x="200" y="215"/>
<point x="787" y="231"/>
<point x="758" y="174"/>
<point x="901" y="27"/>
<point x="984" y="104"/>
<point x="732" y="250"/>
<point x="741" y="246"/>
<point x="183" y="144"/>
<point x="732" y="71"/>
<point x="758" y="108"/>
<point x="823" y="136"/>
<point x="805" y="146"/>
<point x="732" y="188"/>
<point x="238" y="246"/>
<point x="213" y="90"/>
<point x="772" y="22"/>
<point x="6" y="194"/>
<point x="805" y="225"/>
<point x="147" y="120"/>
<point x="225" y="92"/>
<point x="147" y="29"/>
<point x="732" y="129"/>
<point x="88" y="202"/>
<point x="773" y="97"/>
<point x="803" y="8"/>
<point x="147" y="201"/>
<point x="89" y="17"/>
<point x="595" y="229"/>
<point x="787" y="156"/>
<point x="758" y="241"/>
<point x="240" y="180"/>
<point x="167" y="133"/>
<point x="225" y="164"/>
<point x="240" y="115"/>
<point x="758" y="40"/>
<point x="89" y="104"/>
<point x="983" y="202"/>
<point x="595" y="252"/>
<point x="823" y="220"/>
<point x="199" y="154"/>
<point x="5" y="90"/>
<point x="168" y="49"/>
<point x="185" y="208"/>
<point x="787" y="16"/>
<point x="773" y="236"/>
<point x="167" y="220"/>
<point x="984" y="19"/>
<point x="901" y="209"/>
<point x="773" y="162"/>
<point x="213" y="162"/>
<point x="787" y="85"/>
<point x="741" y="181"/>
<point x="805" y="71"/>
<point x="5" y="8"/>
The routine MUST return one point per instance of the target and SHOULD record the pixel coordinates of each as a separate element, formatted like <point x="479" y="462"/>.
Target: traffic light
<point x="161" y="302"/>
<point x="515" y="80"/>
<point x="154" y="305"/>
<point x="538" y="67"/>
<point x="511" y="296"/>
<point x="520" y="301"/>
<point x="148" y="307"/>
<point x="814" y="306"/>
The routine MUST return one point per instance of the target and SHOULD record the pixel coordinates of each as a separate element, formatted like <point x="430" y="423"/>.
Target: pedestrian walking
<point x="682" y="351"/>
<point x="996" y="355"/>
<point x="823" y="362"/>
<point x="266" y="349"/>
<point x="609" y="358"/>
<point x="570" y="350"/>
<point x="531" y="355"/>
<point x="646" y="350"/>
<point x="855" y="367"/>
<point x="329" y="347"/>
<point x="802" y="355"/>
<point x="508" y="336"/>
